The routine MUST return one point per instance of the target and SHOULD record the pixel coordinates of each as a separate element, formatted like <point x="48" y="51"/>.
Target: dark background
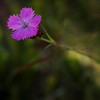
<point x="29" y="71"/>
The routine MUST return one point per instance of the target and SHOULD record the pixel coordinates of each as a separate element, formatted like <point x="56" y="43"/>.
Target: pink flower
<point x="24" y="25"/>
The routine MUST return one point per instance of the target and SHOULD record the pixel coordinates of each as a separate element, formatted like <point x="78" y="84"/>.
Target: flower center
<point x="25" y="25"/>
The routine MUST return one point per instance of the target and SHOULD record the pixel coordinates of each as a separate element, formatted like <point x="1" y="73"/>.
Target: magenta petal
<point x="22" y="34"/>
<point x="26" y="13"/>
<point x="32" y="31"/>
<point x="34" y="22"/>
<point x="17" y="34"/>
<point x="14" y="22"/>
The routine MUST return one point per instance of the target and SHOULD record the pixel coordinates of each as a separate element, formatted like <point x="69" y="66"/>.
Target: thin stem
<point x="46" y="32"/>
<point x="49" y="37"/>
<point x="46" y="40"/>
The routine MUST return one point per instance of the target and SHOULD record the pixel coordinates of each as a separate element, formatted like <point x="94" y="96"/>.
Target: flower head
<point x="24" y="25"/>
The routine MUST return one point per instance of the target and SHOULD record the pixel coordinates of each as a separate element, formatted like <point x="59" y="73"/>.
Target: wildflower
<point x="24" y="25"/>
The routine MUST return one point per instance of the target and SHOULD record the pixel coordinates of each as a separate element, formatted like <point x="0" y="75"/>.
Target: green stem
<point x="48" y="41"/>
<point x="49" y="37"/>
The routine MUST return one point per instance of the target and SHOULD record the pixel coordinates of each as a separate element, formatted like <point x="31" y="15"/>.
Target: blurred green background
<point x="28" y="71"/>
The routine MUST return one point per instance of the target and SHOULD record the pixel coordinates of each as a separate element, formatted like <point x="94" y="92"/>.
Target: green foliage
<point x="28" y="71"/>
